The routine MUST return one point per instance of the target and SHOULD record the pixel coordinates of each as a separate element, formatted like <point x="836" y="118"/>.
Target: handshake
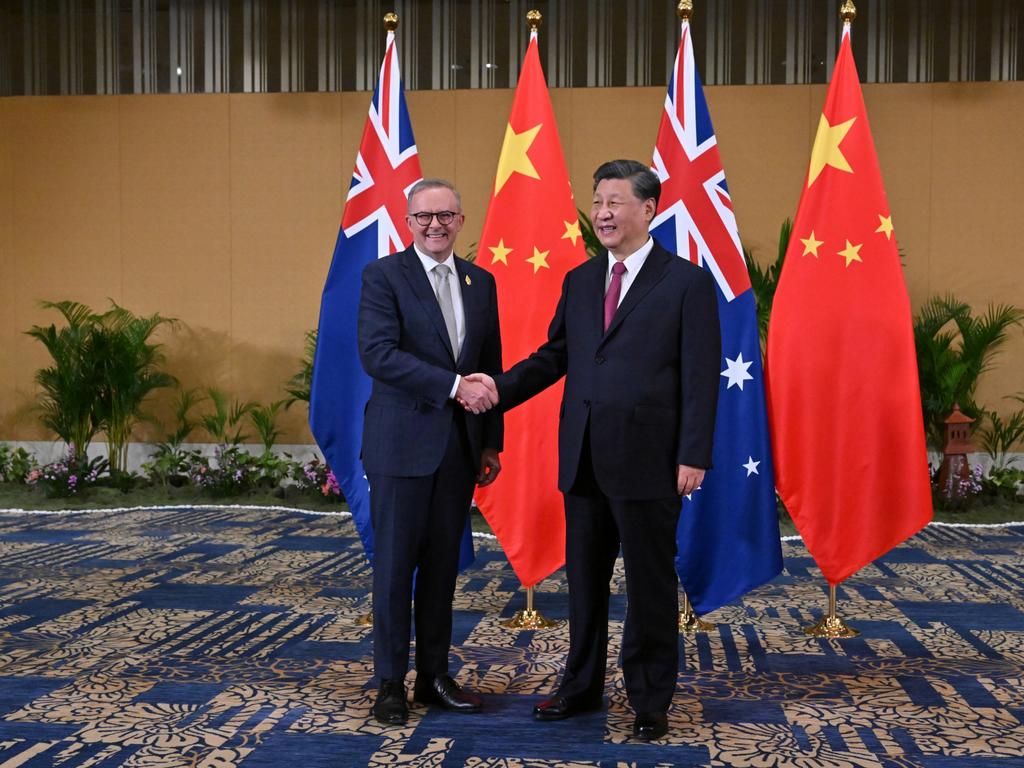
<point x="477" y="393"/>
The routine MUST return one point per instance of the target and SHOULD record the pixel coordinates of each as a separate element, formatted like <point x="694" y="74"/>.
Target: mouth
<point x="606" y="229"/>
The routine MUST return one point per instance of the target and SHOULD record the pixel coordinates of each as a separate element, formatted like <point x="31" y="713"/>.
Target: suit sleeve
<point x="701" y="354"/>
<point x="541" y="369"/>
<point x="379" y="351"/>
<point x="490" y="363"/>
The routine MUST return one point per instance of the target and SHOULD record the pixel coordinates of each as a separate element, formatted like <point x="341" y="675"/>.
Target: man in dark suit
<point x="424" y="316"/>
<point x="636" y="336"/>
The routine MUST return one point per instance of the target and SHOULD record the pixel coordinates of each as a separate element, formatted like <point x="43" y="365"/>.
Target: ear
<point x="650" y="208"/>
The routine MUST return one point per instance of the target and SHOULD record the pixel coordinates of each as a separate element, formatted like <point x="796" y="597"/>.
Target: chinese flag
<point x="531" y="238"/>
<point x="844" y="403"/>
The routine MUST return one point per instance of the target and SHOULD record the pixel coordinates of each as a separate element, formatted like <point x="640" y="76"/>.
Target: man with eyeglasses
<point x="429" y="436"/>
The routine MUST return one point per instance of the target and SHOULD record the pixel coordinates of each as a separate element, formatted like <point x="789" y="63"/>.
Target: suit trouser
<point x="646" y="529"/>
<point x="417" y="527"/>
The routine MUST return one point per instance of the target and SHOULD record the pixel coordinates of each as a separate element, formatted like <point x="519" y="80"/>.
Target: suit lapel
<point x="593" y="292"/>
<point x="650" y="273"/>
<point x="424" y="291"/>
<point x="472" y="303"/>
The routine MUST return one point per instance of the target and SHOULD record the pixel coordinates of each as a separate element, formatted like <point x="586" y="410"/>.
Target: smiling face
<point x="620" y="218"/>
<point x="435" y="239"/>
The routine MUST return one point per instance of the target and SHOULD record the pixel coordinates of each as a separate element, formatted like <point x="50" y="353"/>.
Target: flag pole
<point x="366" y="619"/>
<point x="530" y="617"/>
<point x="831" y="625"/>
<point x="689" y="622"/>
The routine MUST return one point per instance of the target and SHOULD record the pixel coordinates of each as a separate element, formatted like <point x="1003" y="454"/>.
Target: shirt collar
<point x="635" y="260"/>
<point x="429" y="262"/>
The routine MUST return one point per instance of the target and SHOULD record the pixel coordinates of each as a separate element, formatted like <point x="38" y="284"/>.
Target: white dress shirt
<point x="633" y="264"/>
<point x="429" y="262"/>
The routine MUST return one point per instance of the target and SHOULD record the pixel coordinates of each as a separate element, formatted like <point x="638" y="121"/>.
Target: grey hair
<point x="643" y="180"/>
<point x="425" y="184"/>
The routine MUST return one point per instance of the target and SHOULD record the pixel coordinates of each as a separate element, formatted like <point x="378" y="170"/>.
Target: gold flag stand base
<point x="830" y="626"/>
<point x="528" y="618"/>
<point x="689" y="622"/>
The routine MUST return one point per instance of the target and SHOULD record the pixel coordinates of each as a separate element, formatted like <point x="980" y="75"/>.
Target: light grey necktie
<point x="444" y="297"/>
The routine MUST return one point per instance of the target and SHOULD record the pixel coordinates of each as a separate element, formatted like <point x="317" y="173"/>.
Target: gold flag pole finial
<point x="533" y="19"/>
<point x="390" y="21"/>
<point x="848" y="12"/>
<point x="684" y="10"/>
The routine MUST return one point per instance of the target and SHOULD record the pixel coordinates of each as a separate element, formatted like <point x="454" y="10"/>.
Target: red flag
<point x="531" y="238"/>
<point x="844" y="402"/>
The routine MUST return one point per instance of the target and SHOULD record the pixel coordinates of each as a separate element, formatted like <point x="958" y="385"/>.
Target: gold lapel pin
<point x="468" y="281"/>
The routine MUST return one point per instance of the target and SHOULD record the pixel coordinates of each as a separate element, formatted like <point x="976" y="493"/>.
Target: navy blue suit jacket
<point x="404" y="347"/>
<point x="648" y="386"/>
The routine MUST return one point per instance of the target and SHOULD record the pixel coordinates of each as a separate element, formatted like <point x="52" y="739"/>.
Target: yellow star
<point x="539" y="259"/>
<point x="811" y="245"/>
<point x="885" y="226"/>
<point x="851" y="252"/>
<point x="572" y="231"/>
<point x="826" y="148"/>
<point x="513" y="157"/>
<point x="500" y="252"/>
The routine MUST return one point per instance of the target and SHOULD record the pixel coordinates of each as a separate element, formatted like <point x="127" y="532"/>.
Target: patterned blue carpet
<point x="230" y="637"/>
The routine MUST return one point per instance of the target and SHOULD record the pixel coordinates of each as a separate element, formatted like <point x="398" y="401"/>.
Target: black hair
<point x="643" y="180"/>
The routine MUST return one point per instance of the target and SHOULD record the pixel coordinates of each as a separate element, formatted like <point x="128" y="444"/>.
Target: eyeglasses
<point x="444" y="218"/>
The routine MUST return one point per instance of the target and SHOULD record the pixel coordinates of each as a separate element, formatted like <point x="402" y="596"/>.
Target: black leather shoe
<point x="444" y="692"/>
<point x="652" y="725"/>
<point x="391" y="707"/>
<point x="560" y="707"/>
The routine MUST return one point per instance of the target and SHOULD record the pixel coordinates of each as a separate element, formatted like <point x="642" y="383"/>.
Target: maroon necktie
<point x="611" y="298"/>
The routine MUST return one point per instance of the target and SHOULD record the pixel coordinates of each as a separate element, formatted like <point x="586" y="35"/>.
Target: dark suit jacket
<point x="648" y="387"/>
<point x="404" y="347"/>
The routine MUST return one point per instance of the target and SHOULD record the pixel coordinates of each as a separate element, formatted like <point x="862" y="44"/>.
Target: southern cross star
<point x="736" y="371"/>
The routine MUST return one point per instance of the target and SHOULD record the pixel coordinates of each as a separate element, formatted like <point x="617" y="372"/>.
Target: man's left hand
<point x="688" y="479"/>
<point x="490" y="466"/>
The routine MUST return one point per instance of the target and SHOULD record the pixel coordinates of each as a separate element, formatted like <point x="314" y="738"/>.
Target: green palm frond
<point x="954" y="349"/>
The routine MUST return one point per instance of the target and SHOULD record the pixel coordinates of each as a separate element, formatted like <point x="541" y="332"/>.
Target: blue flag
<point x="728" y="535"/>
<point x="372" y="226"/>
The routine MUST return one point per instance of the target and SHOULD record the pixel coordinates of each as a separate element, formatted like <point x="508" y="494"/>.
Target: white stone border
<point x="170" y="507"/>
<point x="345" y="514"/>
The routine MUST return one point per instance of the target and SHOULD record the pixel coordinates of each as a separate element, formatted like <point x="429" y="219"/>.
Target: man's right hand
<point x="477" y="393"/>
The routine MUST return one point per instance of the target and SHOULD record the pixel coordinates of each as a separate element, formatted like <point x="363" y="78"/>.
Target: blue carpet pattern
<point x="231" y="638"/>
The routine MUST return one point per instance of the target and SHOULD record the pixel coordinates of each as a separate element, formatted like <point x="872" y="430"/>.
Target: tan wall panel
<point x="435" y="126"/>
<point x="977" y="184"/>
<point x="609" y="123"/>
<point x="764" y="159"/>
<point x="229" y="222"/>
<point x="354" y="108"/>
<point x="7" y="361"/>
<point x="285" y="172"/>
<point x="175" y="229"/>
<point x="481" y="117"/>
<point x="901" y="119"/>
<point x="66" y="218"/>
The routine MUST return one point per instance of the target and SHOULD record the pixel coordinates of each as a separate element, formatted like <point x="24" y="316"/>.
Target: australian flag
<point x="728" y="535"/>
<point x="372" y="226"/>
